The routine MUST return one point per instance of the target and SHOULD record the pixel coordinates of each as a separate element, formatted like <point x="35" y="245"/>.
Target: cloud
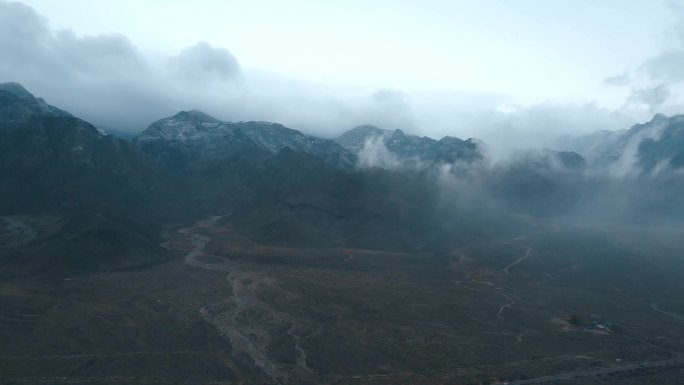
<point x="375" y="154"/>
<point x="391" y="97"/>
<point x="98" y="57"/>
<point x="627" y="164"/>
<point x="102" y="78"/>
<point x="665" y="67"/>
<point x="109" y="81"/>
<point x="618" y="80"/>
<point x="390" y="109"/>
<point x="30" y="46"/>
<point x="513" y="127"/>
<point x="650" y="97"/>
<point x="204" y="63"/>
<point x="657" y="84"/>
<point x="105" y="79"/>
<point x="23" y="30"/>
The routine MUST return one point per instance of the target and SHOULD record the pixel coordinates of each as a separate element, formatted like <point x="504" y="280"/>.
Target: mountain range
<point x="647" y="147"/>
<point x="283" y="187"/>
<point x="199" y="251"/>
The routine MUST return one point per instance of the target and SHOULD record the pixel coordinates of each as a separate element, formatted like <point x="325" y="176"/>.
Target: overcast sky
<point x="489" y="68"/>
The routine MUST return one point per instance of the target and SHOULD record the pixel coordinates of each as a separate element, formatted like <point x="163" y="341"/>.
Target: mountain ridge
<point x="412" y="148"/>
<point x="190" y="132"/>
<point x="285" y="187"/>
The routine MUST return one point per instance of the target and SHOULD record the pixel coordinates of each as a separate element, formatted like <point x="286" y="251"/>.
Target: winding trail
<point x="506" y="270"/>
<point x="511" y="301"/>
<point x="503" y="307"/>
<point x="528" y="251"/>
<point x="517" y="261"/>
<point x="656" y="306"/>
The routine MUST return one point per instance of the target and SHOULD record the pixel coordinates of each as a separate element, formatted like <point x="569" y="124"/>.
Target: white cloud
<point x="107" y="80"/>
<point x="203" y="64"/>
<point x="375" y="154"/>
<point x="618" y="80"/>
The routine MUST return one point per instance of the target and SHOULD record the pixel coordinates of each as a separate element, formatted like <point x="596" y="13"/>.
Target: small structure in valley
<point x="599" y="325"/>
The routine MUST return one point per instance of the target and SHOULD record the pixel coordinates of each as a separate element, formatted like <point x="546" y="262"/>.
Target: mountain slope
<point x="661" y="142"/>
<point x="646" y="147"/>
<point x="411" y="149"/>
<point x="318" y="206"/>
<point x="53" y="164"/>
<point x="193" y="141"/>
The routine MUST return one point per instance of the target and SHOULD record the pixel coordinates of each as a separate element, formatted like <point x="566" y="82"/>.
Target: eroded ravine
<point x="249" y="323"/>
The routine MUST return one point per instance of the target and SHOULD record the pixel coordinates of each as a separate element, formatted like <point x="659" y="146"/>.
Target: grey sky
<point x="491" y="68"/>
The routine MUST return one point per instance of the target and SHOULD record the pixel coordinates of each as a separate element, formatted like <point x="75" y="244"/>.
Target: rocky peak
<point x="354" y="139"/>
<point x="398" y="133"/>
<point x="16" y="89"/>
<point x="183" y="126"/>
<point x="451" y="140"/>
<point x="195" y="116"/>
<point x="18" y="106"/>
<point x="412" y="148"/>
<point x="190" y="135"/>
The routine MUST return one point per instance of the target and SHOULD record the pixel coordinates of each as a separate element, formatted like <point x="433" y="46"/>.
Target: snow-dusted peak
<point x="197" y="116"/>
<point x="411" y="148"/>
<point x="197" y="131"/>
<point x="185" y="125"/>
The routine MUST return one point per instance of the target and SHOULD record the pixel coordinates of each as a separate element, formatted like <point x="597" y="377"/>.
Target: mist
<point x="109" y="81"/>
<point x="310" y="192"/>
<point x="629" y="176"/>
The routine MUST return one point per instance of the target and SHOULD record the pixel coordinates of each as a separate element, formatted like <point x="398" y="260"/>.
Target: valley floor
<point x="536" y="308"/>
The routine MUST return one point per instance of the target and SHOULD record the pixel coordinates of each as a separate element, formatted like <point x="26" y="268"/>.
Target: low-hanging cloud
<point x="107" y="80"/>
<point x="203" y="63"/>
<point x="657" y="84"/>
<point x="102" y="78"/>
<point x="31" y="48"/>
<point x="618" y="80"/>
<point x="665" y="67"/>
<point x="375" y="154"/>
<point x="651" y="97"/>
<point x="390" y="109"/>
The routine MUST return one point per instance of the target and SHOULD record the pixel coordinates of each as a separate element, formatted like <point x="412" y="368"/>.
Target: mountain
<point x="49" y="154"/>
<point x="57" y="166"/>
<point x="194" y="141"/>
<point x="642" y="148"/>
<point x="18" y="106"/>
<point x="100" y="203"/>
<point x="191" y="142"/>
<point x="412" y="148"/>
<point x="304" y="203"/>
<point x="284" y="188"/>
<point x="542" y="182"/>
<point x="204" y="251"/>
<point x="599" y="148"/>
<point x="354" y="139"/>
<point x="660" y="142"/>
